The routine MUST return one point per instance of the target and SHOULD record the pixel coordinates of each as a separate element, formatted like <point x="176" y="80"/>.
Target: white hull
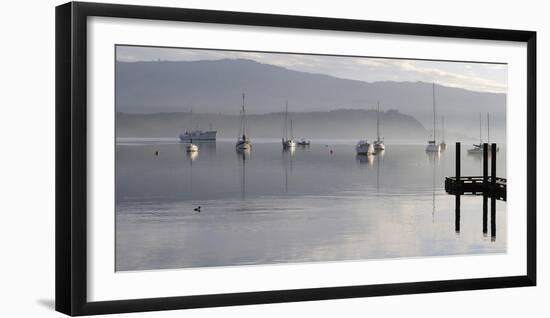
<point x="364" y="148"/>
<point x="287" y="144"/>
<point x="379" y="146"/>
<point x="192" y="148"/>
<point x="433" y="147"/>
<point x="478" y="149"/>
<point x="243" y="145"/>
<point x="199" y="135"/>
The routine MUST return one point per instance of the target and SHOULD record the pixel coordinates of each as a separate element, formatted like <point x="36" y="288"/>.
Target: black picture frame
<point x="71" y="157"/>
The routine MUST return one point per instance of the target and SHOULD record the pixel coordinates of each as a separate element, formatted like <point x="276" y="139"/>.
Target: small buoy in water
<point x="157" y="153"/>
<point x="197" y="209"/>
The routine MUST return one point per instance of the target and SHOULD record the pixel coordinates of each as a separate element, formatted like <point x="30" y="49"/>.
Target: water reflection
<point x="365" y="159"/>
<point x="243" y="155"/>
<point x="192" y="155"/>
<point x="288" y="165"/>
<point x="279" y="207"/>
<point x="485" y="199"/>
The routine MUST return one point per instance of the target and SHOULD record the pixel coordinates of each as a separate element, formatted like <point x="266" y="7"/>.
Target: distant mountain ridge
<point x="215" y="86"/>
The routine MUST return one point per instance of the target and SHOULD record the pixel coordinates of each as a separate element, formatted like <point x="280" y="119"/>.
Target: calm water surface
<point x="274" y="206"/>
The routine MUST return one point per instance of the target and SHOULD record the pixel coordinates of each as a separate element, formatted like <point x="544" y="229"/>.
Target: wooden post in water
<point x="457" y="213"/>
<point x="493" y="189"/>
<point x="493" y="168"/>
<point x="485" y="164"/>
<point x="457" y="197"/>
<point x="457" y="164"/>
<point x="493" y="219"/>
<point x="484" y="214"/>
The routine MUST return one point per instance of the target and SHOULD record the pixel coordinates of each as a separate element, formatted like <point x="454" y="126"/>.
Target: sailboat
<point x="303" y="142"/>
<point x="191" y="147"/>
<point x="243" y="142"/>
<point x="363" y="147"/>
<point x="378" y="144"/>
<point x="478" y="149"/>
<point x="288" y="143"/>
<point x="443" y="145"/>
<point x="489" y="134"/>
<point x="433" y="146"/>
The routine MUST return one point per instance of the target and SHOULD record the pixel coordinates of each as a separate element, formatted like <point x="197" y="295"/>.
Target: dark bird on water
<point x="197" y="209"/>
<point x="157" y="153"/>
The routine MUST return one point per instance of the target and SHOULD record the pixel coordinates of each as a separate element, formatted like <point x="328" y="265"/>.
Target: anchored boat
<point x="478" y="149"/>
<point x="363" y="147"/>
<point x="378" y="144"/>
<point x="288" y="142"/>
<point x="433" y="146"/>
<point x="197" y="134"/>
<point x="243" y="142"/>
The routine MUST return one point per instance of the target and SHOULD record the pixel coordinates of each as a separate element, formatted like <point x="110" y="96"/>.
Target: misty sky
<point x="472" y="76"/>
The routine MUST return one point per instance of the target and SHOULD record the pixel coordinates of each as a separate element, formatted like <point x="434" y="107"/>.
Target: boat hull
<point x="433" y="148"/>
<point x="287" y="144"/>
<point x="379" y="146"/>
<point x="364" y="148"/>
<point x="199" y="136"/>
<point x="243" y="145"/>
<point x="192" y="148"/>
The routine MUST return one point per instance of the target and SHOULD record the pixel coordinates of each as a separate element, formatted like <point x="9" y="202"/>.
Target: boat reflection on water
<point x="192" y="155"/>
<point x="433" y="156"/>
<point x="243" y="155"/>
<point x="288" y="163"/>
<point x="365" y="159"/>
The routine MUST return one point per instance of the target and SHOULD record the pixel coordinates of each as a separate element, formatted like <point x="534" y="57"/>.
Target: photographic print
<point x="231" y="158"/>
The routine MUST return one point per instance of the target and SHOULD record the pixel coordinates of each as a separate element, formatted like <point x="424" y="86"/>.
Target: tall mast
<point x="480" y="140"/>
<point x="291" y="132"/>
<point x="378" y="123"/>
<point x="243" y="120"/>
<point x="433" y="101"/>
<point x="442" y="128"/>
<point x="191" y="117"/>
<point x="286" y="120"/>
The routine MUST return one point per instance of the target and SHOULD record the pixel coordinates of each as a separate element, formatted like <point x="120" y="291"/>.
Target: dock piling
<point x="493" y="166"/>
<point x="485" y="214"/>
<point x="485" y="163"/>
<point x="457" y="161"/>
<point x="457" y="213"/>
<point x="493" y="219"/>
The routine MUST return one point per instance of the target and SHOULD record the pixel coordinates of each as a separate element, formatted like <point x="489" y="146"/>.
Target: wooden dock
<point x="491" y="186"/>
<point x="477" y="186"/>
